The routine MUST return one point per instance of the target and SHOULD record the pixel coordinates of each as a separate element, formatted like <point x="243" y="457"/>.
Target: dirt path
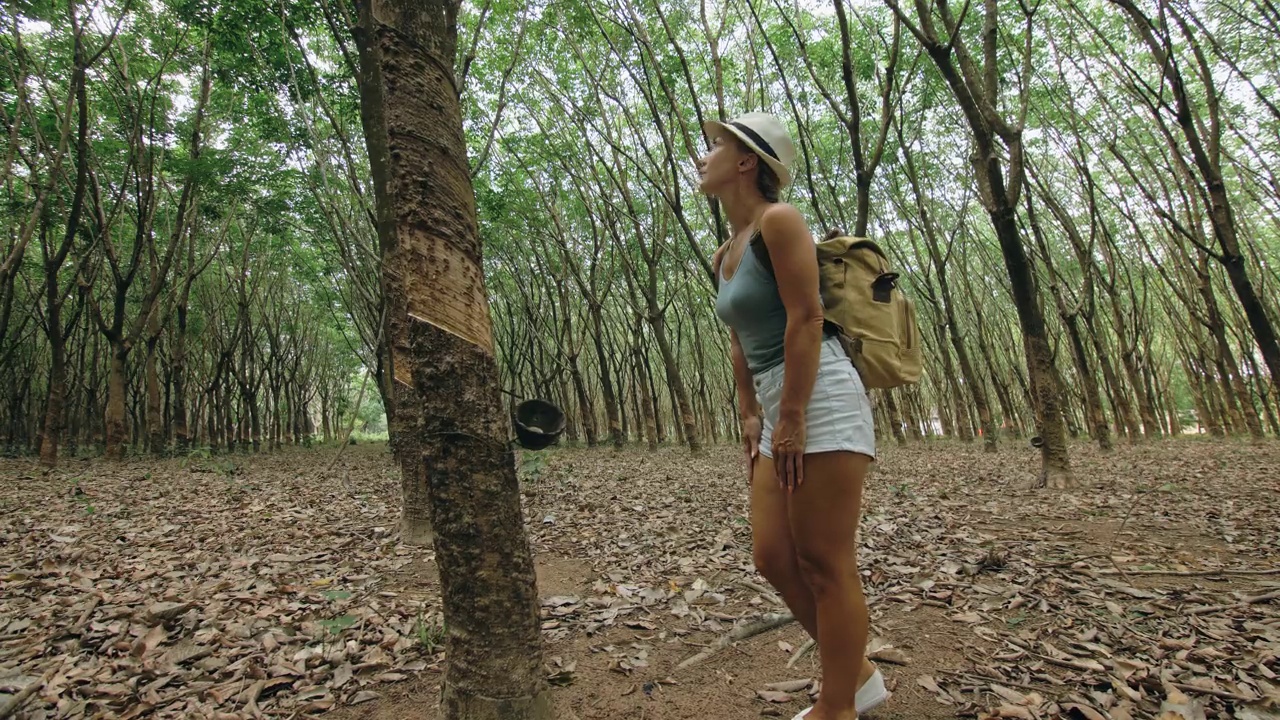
<point x="253" y="586"/>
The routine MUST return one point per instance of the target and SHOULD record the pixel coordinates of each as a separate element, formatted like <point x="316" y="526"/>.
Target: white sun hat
<point x="765" y="135"/>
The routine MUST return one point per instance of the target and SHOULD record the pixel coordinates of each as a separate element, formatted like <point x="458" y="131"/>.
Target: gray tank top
<point x="749" y="303"/>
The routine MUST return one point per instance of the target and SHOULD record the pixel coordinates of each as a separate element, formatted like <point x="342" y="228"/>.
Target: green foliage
<point x="532" y="464"/>
<point x="335" y="625"/>
<point x="430" y="633"/>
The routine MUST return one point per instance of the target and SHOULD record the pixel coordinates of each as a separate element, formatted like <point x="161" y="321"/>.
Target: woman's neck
<point x="742" y="208"/>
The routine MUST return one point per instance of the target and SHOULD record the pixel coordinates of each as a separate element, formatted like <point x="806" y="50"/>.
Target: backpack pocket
<point x="877" y="362"/>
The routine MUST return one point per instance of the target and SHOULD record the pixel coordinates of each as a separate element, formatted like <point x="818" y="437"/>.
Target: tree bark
<point x="426" y="208"/>
<point x="114" y="420"/>
<point x="57" y="392"/>
<point x="178" y="366"/>
<point x="676" y="382"/>
<point x="975" y="87"/>
<point x="403" y="406"/>
<point x="612" y="406"/>
<point x="1243" y="412"/>
<point x="155" y="411"/>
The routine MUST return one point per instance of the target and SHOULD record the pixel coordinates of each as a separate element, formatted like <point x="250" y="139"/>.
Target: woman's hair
<point x="766" y="178"/>
<point x="767" y="182"/>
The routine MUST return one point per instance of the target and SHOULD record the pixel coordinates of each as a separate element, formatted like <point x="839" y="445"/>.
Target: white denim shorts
<point x="839" y="413"/>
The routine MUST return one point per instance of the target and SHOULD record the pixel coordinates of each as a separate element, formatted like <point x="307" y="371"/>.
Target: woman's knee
<point x="827" y="570"/>
<point x="774" y="559"/>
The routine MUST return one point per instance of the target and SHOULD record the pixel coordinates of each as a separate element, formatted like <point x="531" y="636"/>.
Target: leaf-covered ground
<point x="242" y="587"/>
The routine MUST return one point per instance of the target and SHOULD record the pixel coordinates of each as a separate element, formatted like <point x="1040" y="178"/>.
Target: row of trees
<point x="159" y="290"/>
<point x="1079" y="194"/>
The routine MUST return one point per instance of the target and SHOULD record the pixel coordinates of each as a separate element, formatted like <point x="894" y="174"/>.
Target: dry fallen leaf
<point x="789" y="686"/>
<point x="1084" y="712"/>
<point x="1014" y="711"/>
<point x="879" y="650"/>
<point x="289" y="576"/>
<point x="928" y="683"/>
<point x="148" y="642"/>
<point x="1013" y="696"/>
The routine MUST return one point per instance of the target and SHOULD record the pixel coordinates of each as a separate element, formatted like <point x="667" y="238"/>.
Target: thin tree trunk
<point x="57" y="391"/>
<point x="114" y="420"/>
<point x="181" y="432"/>
<point x="895" y="417"/>
<point x="676" y="383"/>
<point x="155" y="411"/>
<point x="645" y="394"/>
<point x="611" y="405"/>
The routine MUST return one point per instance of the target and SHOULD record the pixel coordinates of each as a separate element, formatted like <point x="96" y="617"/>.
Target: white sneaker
<point x="871" y="695"/>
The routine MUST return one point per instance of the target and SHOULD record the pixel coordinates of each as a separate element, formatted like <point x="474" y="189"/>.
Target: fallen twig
<point x="765" y="624"/>
<point x="1224" y="694"/>
<point x="11" y="704"/>
<point x="1070" y="664"/>
<point x="1246" y="602"/>
<point x="1065" y="563"/>
<point x="982" y="679"/>
<point x="764" y="591"/>
<point x="804" y="650"/>
<point x="84" y="616"/>
<point x="1190" y="573"/>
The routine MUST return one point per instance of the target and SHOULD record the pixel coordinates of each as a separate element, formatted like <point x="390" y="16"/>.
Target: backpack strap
<point x="761" y="252"/>
<point x="762" y="255"/>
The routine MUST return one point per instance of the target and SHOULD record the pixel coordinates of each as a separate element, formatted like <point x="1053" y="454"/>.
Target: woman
<point x="806" y="419"/>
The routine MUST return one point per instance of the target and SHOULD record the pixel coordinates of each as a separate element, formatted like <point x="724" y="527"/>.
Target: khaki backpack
<point x="875" y="321"/>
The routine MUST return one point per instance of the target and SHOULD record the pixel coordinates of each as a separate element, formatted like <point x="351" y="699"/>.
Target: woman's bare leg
<point x="775" y="552"/>
<point x="772" y="548"/>
<point x="824" y="513"/>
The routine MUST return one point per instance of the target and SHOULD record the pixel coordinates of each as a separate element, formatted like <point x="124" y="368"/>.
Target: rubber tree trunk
<point x="644" y="393"/>
<point x="612" y="407"/>
<point x="426" y="211"/>
<point x="155" y="409"/>
<point x="1243" y="413"/>
<point x="1046" y="398"/>
<point x="1129" y="360"/>
<point x="962" y="428"/>
<point x="57" y="391"/>
<point x="895" y="417"/>
<point x="404" y="408"/>
<point x="181" y="432"/>
<point x="1097" y="419"/>
<point x="675" y="381"/>
<point x="114" y="419"/>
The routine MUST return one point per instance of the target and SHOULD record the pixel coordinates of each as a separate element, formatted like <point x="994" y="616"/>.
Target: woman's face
<point x="721" y="167"/>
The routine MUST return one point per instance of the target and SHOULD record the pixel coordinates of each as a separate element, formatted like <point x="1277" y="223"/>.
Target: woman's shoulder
<point x="780" y="209"/>
<point x="782" y="222"/>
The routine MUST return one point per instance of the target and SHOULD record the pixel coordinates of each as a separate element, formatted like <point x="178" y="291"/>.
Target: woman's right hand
<point x="752" y="429"/>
